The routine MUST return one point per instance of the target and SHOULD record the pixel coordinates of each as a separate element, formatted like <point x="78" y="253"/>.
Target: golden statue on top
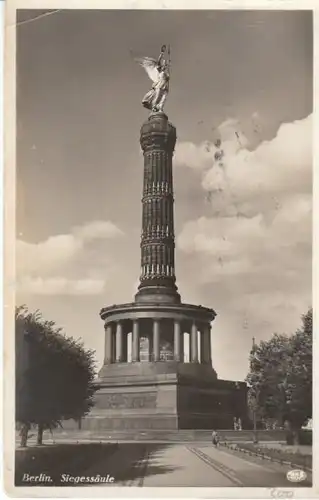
<point x="159" y="72"/>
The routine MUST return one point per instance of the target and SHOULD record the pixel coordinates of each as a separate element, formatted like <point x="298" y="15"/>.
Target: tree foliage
<point x="280" y="376"/>
<point x="58" y="383"/>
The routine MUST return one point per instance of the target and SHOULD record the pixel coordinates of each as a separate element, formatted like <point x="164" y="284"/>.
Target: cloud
<point x="192" y="155"/>
<point x="277" y="167"/>
<point x="252" y="247"/>
<point x="61" y="286"/>
<point x="46" y="256"/>
<point x="97" y="230"/>
<point x="39" y="265"/>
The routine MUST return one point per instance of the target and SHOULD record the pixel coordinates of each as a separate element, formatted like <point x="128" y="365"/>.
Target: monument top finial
<point x="157" y="115"/>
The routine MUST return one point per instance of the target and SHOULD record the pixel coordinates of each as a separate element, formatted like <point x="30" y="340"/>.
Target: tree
<point x="268" y="362"/>
<point x="280" y="377"/>
<point x="58" y="382"/>
<point x="299" y="379"/>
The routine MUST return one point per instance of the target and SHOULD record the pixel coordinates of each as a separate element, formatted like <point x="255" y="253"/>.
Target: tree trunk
<point x="292" y="435"/>
<point x="40" y="434"/>
<point x="255" y="427"/>
<point x="24" y="435"/>
<point x="295" y="433"/>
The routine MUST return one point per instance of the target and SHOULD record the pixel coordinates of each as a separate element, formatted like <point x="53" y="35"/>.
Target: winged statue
<point x="159" y="72"/>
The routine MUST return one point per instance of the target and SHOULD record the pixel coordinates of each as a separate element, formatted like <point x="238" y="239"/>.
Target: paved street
<point x="159" y="464"/>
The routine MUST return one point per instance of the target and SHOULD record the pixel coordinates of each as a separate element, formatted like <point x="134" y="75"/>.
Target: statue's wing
<point x="150" y="66"/>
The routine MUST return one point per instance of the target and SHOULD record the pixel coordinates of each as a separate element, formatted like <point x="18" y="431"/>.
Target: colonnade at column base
<point x="164" y="325"/>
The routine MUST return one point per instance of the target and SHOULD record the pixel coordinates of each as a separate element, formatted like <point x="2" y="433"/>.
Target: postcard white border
<point x="9" y="247"/>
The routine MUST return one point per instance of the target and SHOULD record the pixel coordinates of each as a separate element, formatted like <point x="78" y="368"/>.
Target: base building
<point x="149" y="380"/>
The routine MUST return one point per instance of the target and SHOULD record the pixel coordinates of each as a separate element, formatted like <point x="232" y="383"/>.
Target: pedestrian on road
<point x="215" y="438"/>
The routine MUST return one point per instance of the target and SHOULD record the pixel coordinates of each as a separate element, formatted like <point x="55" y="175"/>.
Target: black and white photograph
<point x="162" y="299"/>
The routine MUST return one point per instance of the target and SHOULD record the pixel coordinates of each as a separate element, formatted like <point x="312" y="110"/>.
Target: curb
<point x="265" y="457"/>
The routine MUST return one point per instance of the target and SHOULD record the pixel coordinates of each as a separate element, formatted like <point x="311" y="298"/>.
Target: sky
<point x="243" y="228"/>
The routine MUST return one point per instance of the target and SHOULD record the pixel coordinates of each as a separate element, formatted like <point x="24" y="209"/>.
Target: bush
<point x="305" y="437"/>
<point x="294" y="457"/>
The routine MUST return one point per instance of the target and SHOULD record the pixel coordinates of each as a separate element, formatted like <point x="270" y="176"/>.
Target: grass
<point x="282" y="454"/>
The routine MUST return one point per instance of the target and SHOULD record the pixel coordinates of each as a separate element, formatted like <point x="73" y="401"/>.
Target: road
<point x="195" y="465"/>
<point x="155" y="464"/>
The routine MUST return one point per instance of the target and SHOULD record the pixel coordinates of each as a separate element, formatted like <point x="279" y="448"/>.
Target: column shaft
<point x="119" y="342"/>
<point x="158" y="143"/>
<point x="156" y="340"/>
<point x="194" y="345"/>
<point x="177" y="340"/>
<point x="108" y="344"/>
<point x="135" y="342"/>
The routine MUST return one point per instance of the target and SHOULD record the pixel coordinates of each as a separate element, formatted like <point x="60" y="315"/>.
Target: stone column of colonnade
<point x="202" y="354"/>
<point x="108" y="352"/>
<point x="205" y="344"/>
<point x="116" y="342"/>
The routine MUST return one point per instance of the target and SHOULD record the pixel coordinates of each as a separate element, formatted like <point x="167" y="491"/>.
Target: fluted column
<point x="177" y="340"/>
<point x="135" y="342"/>
<point x="194" y="345"/>
<point x="108" y="344"/>
<point x="158" y="138"/>
<point x="156" y="340"/>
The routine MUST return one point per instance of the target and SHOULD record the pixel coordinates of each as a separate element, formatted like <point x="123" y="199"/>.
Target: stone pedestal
<point x="164" y="395"/>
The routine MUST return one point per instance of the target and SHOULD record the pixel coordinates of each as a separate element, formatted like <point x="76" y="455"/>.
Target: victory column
<point x="164" y="391"/>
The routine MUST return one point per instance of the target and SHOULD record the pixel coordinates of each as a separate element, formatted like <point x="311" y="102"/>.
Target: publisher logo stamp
<point x="296" y="475"/>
